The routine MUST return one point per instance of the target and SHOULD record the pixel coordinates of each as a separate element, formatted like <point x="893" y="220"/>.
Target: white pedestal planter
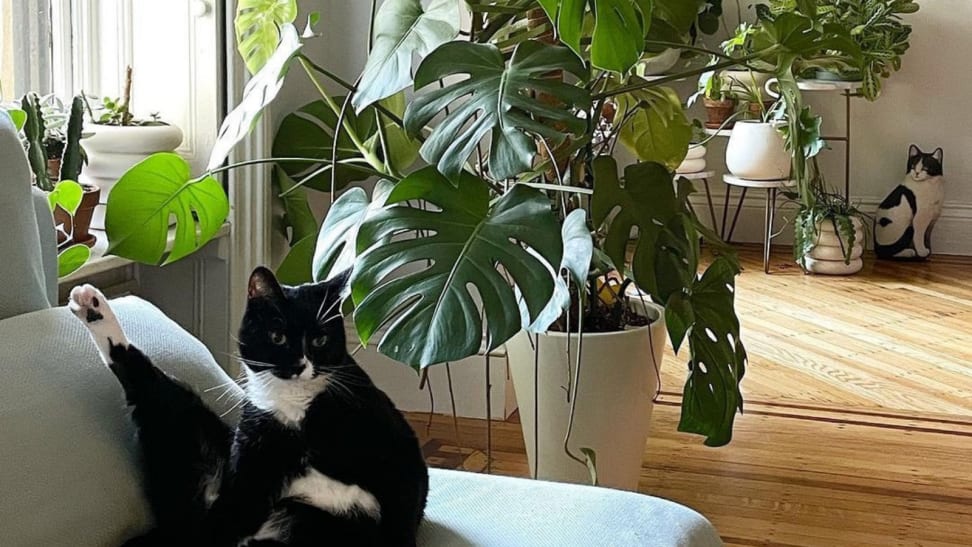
<point x="694" y="161"/>
<point x="827" y="256"/>
<point x="618" y="381"/>
<point x="113" y="150"/>
<point x="756" y="151"/>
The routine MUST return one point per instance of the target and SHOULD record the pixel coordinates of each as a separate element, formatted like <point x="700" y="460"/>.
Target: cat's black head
<point x="293" y="332"/>
<point x="922" y="166"/>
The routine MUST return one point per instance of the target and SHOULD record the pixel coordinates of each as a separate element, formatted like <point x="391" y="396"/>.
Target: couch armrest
<point x="67" y="446"/>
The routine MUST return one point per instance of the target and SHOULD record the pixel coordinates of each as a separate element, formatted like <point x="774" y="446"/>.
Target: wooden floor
<point x="858" y="428"/>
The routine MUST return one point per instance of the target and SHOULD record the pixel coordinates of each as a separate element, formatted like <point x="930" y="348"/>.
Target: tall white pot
<point x="617" y="383"/>
<point x="756" y="151"/>
<point x="113" y="150"/>
<point x="827" y="255"/>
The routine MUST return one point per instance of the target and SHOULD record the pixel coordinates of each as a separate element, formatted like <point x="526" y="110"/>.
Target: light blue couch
<point x="69" y="471"/>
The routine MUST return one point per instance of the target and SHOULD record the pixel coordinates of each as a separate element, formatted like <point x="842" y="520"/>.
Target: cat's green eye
<point x="278" y="338"/>
<point x="319" y="341"/>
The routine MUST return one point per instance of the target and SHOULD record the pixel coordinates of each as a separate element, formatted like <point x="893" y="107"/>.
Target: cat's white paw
<point x="924" y="253"/>
<point x="906" y="253"/>
<point x="91" y="307"/>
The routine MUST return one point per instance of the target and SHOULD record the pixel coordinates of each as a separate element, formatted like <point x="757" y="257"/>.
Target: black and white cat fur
<point x="320" y="456"/>
<point x="905" y="219"/>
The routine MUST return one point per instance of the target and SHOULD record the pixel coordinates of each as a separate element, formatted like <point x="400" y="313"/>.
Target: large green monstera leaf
<point x="657" y="129"/>
<point x="403" y="30"/>
<point x="620" y="27"/>
<point x="496" y="98"/>
<point x="452" y="266"/>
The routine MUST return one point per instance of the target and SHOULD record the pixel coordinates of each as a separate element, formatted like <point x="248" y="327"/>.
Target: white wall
<point x="927" y="103"/>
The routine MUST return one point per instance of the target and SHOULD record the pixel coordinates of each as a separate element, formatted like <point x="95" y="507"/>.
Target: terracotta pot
<point x="756" y="111"/>
<point x="82" y="218"/>
<point x="54" y="169"/>
<point x="717" y="112"/>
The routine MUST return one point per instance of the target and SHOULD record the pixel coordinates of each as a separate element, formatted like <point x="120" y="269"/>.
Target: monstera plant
<point x="517" y="209"/>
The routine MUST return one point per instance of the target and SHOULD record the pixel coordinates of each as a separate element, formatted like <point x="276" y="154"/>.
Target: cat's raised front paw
<point x="90" y="306"/>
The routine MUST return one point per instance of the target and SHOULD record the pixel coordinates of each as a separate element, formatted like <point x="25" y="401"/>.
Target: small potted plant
<point x="830" y="235"/>
<point x="53" y="139"/>
<point x="119" y="140"/>
<point x="720" y="104"/>
<point x="757" y="149"/>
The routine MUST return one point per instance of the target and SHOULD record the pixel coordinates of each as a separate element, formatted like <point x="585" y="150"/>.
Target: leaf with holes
<point x="654" y="126"/>
<point x="309" y="133"/>
<point x="336" y="243"/>
<point x="404" y="30"/>
<point x="452" y="266"/>
<point x="617" y="39"/>
<point x="258" y="28"/>
<point x="646" y="201"/>
<point x="259" y="92"/>
<point x="495" y="102"/>
<point x="718" y="359"/>
<point x="151" y="193"/>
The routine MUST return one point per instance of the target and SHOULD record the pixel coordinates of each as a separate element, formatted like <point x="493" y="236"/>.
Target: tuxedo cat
<point x="905" y="219"/>
<point x="320" y="456"/>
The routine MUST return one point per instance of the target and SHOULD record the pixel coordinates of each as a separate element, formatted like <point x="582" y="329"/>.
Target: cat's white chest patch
<point x="287" y="400"/>
<point x="333" y="496"/>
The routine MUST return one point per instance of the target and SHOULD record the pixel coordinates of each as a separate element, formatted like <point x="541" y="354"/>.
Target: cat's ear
<point x="263" y="284"/>
<point x="939" y="155"/>
<point x="340" y="280"/>
<point x="914" y="151"/>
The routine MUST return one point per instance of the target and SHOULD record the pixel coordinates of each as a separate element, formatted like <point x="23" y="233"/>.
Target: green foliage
<point x="72" y="259"/>
<point x="430" y="311"/>
<point x="404" y="30"/>
<point x="67" y="195"/>
<point x="73" y="155"/>
<point x="337" y="242"/>
<point x="309" y="133"/>
<point x="618" y="37"/>
<point x="257" y="95"/>
<point x="17" y="116"/>
<point x="653" y="125"/>
<point x="509" y="117"/>
<point x="258" y="26"/>
<point x="151" y="193"/>
<point x="828" y="207"/>
<point x="34" y="133"/>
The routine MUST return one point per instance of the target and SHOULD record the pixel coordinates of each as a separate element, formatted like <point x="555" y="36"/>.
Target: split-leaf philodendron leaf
<point x="657" y="130"/>
<point x="258" y="24"/>
<point x="422" y="285"/>
<point x="258" y="93"/>
<point x="620" y="26"/>
<point x="151" y="193"/>
<point x="336" y="243"/>
<point x="496" y="100"/>
<point x="404" y="30"/>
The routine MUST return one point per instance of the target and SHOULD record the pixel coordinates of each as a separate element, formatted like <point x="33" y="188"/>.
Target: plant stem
<point x="126" y="115"/>
<point x="368" y="155"/>
<point x="262" y="161"/>
<point x="681" y="75"/>
<point x="351" y="87"/>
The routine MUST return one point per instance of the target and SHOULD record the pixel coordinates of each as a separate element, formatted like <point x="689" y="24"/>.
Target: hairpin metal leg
<point x="725" y="213"/>
<point x="735" y="217"/>
<point x="768" y="228"/>
<point x="708" y="197"/>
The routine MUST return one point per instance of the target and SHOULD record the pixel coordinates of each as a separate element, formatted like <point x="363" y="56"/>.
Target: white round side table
<point x="772" y="188"/>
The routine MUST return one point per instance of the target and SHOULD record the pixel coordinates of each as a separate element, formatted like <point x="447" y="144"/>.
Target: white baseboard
<point x="950" y="235"/>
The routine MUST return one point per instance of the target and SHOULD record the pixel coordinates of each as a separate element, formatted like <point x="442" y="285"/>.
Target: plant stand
<point x="847" y="89"/>
<point x="772" y="188"/>
<point x="703" y="176"/>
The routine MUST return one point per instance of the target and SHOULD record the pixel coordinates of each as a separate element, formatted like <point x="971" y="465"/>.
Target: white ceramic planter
<point x="756" y="151"/>
<point x="694" y="161"/>
<point x="113" y="150"/>
<point x="618" y="381"/>
<point x="827" y="255"/>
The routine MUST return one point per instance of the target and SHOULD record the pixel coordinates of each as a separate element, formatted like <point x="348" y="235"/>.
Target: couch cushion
<point x="21" y="266"/>
<point x="466" y="509"/>
<point x="68" y="459"/>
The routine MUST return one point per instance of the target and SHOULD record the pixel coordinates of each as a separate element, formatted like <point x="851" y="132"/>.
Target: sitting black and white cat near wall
<point x="905" y="219"/>
<point x="321" y="456"/>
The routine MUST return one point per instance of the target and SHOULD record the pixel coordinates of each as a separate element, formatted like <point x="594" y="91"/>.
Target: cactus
<point x="72" y="159"/>
<point x="36" y="151"/>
